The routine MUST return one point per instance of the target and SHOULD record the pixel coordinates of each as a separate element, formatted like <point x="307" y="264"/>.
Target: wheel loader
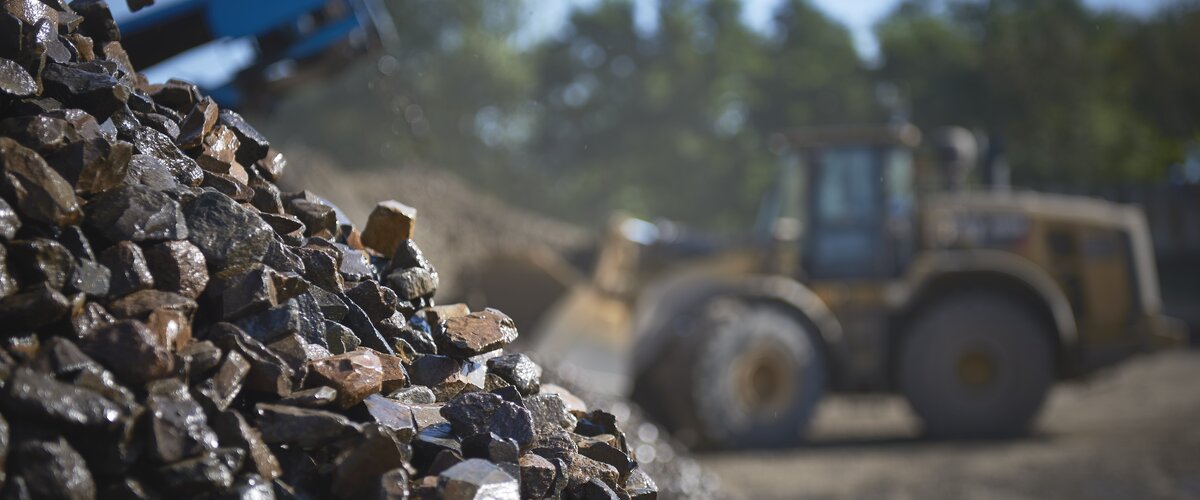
<point x="855" y="278"/>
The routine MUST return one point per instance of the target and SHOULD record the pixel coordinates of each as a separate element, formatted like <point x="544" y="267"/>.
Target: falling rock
<point x="476" y="333"/>
<point x="389" y="224"/>
<point x="52" y="469"/>
<point x="40" y="193"/>
<point x="178" y="267"/>
<point x="130" y="271"/>
<point x="354" y="375"/>
<point x="224" y="231"/>
<point x="131" y="351"/>
<point x="178" y="427"/>
<point x="477" y="479"/>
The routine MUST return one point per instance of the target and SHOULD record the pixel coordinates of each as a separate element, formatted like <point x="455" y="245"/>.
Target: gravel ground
<point x="1128" y="433"/>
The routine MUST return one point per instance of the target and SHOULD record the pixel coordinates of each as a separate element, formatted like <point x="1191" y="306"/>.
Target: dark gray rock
<point x="44" y="399"/>
<point x="413" y="283"/>
<point x="40" y="260"/>
<point x="40" y="193"/>
<point x="518" y="370"/>
<point x="302" y="427"/>
<point x="481" y="413"/>
<point x="130" y="272"/>
<point x="131" y="351"/>
<point x="52" y="469"/>
<point x="316" y="397"/>
<point x="178" y="267"/>
<point x="224" y="231"/>
<point x="475" y="478"/>
<point x="178" y="426"/>
<point x="136" y="213"/>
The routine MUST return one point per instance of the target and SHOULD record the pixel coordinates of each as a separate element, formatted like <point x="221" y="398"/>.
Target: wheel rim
<point x="976" y="369"/>
<point x="764" y="378"/>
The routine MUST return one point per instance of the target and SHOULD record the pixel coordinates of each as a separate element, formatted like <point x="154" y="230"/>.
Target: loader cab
<point x="844" y="205"/>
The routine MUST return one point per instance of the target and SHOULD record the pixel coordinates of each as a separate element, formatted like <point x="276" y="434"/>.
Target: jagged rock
<point x="302" y="427"/>
<point x="413" y="283"/>
<point x="225" y="385"/>
<point x="518" y="370"/>
<point x="389" y="225"/>
<point x="131" y="272"/>
<point x="40" y="260"/>
<point x="225" y="232"/>
<point x="476" y="333"/>
<point x="52" y="469"/>
<point x="42" y="398"/>
<point x="136" y="213"/>
<point x="481" y="413"/>
<point x="178" y="427"/>
<point x="40" y="193"/>
<point x="131" y="351"/>
<point x="354" y="375"/>
<point x="178" y="267"/>
<point x="477" y="479"/>
<point x="316" y="397"/>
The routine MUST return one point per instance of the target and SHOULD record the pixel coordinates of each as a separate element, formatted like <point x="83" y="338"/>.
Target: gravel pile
<point x="175" y="324"/>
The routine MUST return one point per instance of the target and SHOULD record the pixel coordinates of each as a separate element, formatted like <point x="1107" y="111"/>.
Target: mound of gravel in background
<point x="460" y="225"/>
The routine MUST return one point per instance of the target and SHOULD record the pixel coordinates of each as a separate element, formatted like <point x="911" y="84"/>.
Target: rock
<point x="413" y="283"/>
<point x="584" y="469"/>
<point x="360" y="324"/>
<point x="150" y="142"/>
<point x="317" y="216"/>
<point x="392" y="415"/>
<point x="178" y="267"/>
<point x="252" y="146"/>
<point x="42" y="398"/>
<point x="518" y="370"/>
<point x="198" y="123"/>
<point x="491" y="447"/>
<point x="40" y="193"/>
<point x="395" y="376"/>
<point x="178" y="427"/>
<point x="33" y="308"/>
<point x="225" y="232"/>
<point x="268" y="372"/>
<point x="296" y="316"/>
<point x="393" y="485"/>
<point x="254" y="291"/>
<point x="286" y="226"/>
<point x="131" y="272"/>
<point x="142" y="303"/>
<point x="414" y="395"/>
<point x="302" y="427"/>
<point x="477" y="479"/>
<point x="339" y="338"/>
<point x="86" y="86"/>
<point x="537" y="476"/>
<point x="233" y="429"/>
<point x="273" y="165"/>
<point x="131" y="351"/>
<point x="209" y="472"/>
<point x="377" y="301"/>
<point x="389" y="224"/>
<point x="321" y="268"/>
<point x="605" y="452"/>
<point x="476" y="333"/>
<point x="376" y="454"/>
<point x="90" y="278"/>
<point x="93" y="165"/>
<point x="223" y="387"/>
<point x="354" y="375"/>
<point x="146" y="170"/>
<point x="40" y="260"/>
<point x="316" y="397"/>
<point x="98" y="22"/>
<point x="640" y="486"/>
<point x="15" y="81"/>
<point x="481" y="413"/>
<point x="136" y="213"/>
<point x="9" y="223"/>
<point x="200" y="357"/>
<point x="52" y="469"/>
<point x="594" y="489"/>
<point x="570" y="401"/>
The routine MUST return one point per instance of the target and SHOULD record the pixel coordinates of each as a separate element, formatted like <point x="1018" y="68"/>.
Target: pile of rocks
<point x="174" y="324"/>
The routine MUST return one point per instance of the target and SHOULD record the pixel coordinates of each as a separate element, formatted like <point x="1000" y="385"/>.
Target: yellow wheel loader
<point x="970" y="304"/>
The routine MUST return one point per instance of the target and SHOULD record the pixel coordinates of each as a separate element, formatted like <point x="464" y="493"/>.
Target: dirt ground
<point x="1130" y="433"/>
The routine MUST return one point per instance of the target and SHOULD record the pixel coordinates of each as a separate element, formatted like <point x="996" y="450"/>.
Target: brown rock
<point x="179" y="267"/>
<point x="198" y="123"/>
<point x="476" y="333"/>
<point x="389" y="224"/>
<point x="131" y="351"/>
<point x="173" y="328"/>
<point x="395" y="377"/>
<point x="40" y="193"/>
<point x="354" y="375"/>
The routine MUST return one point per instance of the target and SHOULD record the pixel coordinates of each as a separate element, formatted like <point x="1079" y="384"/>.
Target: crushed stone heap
<point x="173" y="325"/>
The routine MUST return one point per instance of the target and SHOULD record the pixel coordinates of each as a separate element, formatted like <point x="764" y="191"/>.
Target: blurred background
<point x="522" y="126"/>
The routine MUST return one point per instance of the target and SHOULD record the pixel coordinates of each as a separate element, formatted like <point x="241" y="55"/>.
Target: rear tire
<point x="976" y="366"/>
<point x="750" y="376"/>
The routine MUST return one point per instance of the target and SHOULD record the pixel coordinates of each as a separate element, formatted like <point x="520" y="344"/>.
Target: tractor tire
<point x="749" y="375"/>
<point x="976" y="366"/>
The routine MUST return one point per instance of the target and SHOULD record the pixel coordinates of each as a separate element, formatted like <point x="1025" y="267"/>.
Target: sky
<point x="547" y="17"/>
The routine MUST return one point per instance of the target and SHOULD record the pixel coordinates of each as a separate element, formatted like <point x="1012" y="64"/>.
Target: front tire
<point x="976" y="366"/>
